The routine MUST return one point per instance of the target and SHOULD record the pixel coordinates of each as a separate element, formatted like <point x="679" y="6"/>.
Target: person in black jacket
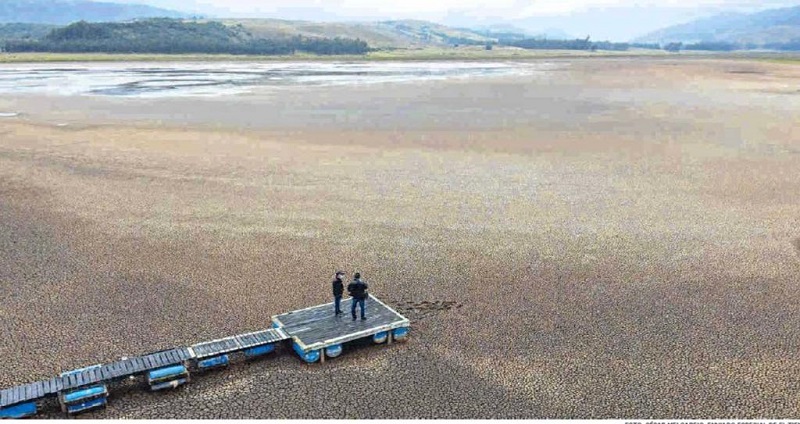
<point x="358" y="290"/>
<point x="338" y="290"/>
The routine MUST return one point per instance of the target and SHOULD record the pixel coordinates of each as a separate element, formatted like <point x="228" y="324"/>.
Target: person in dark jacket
<point x="338" y="290"/>
<point x="358" y="290"/>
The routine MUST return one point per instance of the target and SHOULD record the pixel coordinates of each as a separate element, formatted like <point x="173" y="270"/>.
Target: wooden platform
<point x="317" y="327"/>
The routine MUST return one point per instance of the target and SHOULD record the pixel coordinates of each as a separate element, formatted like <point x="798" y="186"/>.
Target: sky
<point x="617" y="20"/>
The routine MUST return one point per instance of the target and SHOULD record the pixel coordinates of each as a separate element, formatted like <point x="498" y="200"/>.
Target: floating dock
<point x="315" y="333"/>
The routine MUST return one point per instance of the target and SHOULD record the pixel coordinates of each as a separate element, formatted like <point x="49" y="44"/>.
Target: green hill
<point x="172" y="36"/>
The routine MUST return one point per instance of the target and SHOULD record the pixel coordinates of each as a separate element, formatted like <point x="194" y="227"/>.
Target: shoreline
<point x="405" y="55"/>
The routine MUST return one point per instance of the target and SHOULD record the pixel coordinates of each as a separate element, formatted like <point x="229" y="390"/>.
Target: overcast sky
<point x="612" y="19"/>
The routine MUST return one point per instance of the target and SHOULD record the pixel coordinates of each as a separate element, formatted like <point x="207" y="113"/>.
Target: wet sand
<point x="619" y="239"/>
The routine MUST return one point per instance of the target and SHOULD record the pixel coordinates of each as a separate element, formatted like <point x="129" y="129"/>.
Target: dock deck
<point x="317" y="327"/>
<point x="316" y="332"/>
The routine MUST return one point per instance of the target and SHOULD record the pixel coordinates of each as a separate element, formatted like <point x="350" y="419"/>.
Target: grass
<point x="464" y="53"/>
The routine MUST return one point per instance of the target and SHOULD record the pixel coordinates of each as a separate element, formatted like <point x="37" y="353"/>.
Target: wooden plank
<point x="57" y="385"/>
<point x="114" y="369"/>
<point x="105" y="372"/>
<point x="38" y="392"/>
<point x="184" y="354"/>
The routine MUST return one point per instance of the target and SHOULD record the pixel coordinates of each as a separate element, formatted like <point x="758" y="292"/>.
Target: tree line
<point x="576" y="44"/>
<point x="586" y="44"/>
<point x="171" y="36"/>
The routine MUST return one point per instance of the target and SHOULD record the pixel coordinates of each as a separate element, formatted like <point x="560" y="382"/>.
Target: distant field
<point x="466" y="53"/>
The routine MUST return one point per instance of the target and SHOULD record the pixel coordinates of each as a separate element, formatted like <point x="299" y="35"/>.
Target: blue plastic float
<point x="333" y="351"/>
<point x="215" y="362"/>
<point x="21" y="410"/>
<point x="167" y="377"/>
<point x="259" y="350"/>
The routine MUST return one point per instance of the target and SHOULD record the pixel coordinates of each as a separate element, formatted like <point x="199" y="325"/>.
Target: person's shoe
<point x="354" y="318"/>
<point x="363" y="318"/>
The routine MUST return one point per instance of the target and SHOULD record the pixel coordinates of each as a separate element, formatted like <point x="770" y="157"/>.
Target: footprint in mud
<point x="422" y="309"/>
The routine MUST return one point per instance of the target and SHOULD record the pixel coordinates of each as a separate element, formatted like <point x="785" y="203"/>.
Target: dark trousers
<point x="363" y="304"/>
<point x="337" y="301"/>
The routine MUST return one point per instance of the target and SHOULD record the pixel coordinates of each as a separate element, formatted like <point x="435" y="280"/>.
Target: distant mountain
<point x="773" y="26"/>
<point x="554" y="34"/>
<point x="24" y="31"/>
<point x="62" y="12"/>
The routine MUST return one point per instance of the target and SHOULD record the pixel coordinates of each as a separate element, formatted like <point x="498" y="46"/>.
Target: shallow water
<point x="216" y="79"/>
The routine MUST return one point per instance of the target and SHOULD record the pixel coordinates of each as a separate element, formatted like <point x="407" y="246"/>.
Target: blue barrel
<point x="216" y="361"/>
<point x="380" y="337"/>
<point x="310" y="356"/>
<point x="21" y="410"/>
<point x="275" y="325"/>
<point x="79" y="396"/>
<point x="333" y="351"/>
<point x="400" y="333"/>
<point x="167" y="373"/>
<point x="77" y="408"/>
<point x="259" y="350"/>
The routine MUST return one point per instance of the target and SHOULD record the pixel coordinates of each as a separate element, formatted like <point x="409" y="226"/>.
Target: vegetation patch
<point x="171" y="36"/>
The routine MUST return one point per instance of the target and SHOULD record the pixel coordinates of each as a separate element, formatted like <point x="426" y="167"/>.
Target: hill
<point x="173" y="36"/>
<point x="62" y="12"/>
<point x="385" y="34"/>
<point x="763" y="29"/>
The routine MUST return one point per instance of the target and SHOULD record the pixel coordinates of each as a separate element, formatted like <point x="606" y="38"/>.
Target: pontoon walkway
<point x="315" y="333"/>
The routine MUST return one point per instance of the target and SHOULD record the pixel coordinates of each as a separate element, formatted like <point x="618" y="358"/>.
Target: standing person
<point x="338" y="290"/>
<point x="358" y="290"/>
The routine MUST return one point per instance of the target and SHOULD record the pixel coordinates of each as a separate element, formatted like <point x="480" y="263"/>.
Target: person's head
<point x="339" y="275"/>
<point x="357" y="275"/>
